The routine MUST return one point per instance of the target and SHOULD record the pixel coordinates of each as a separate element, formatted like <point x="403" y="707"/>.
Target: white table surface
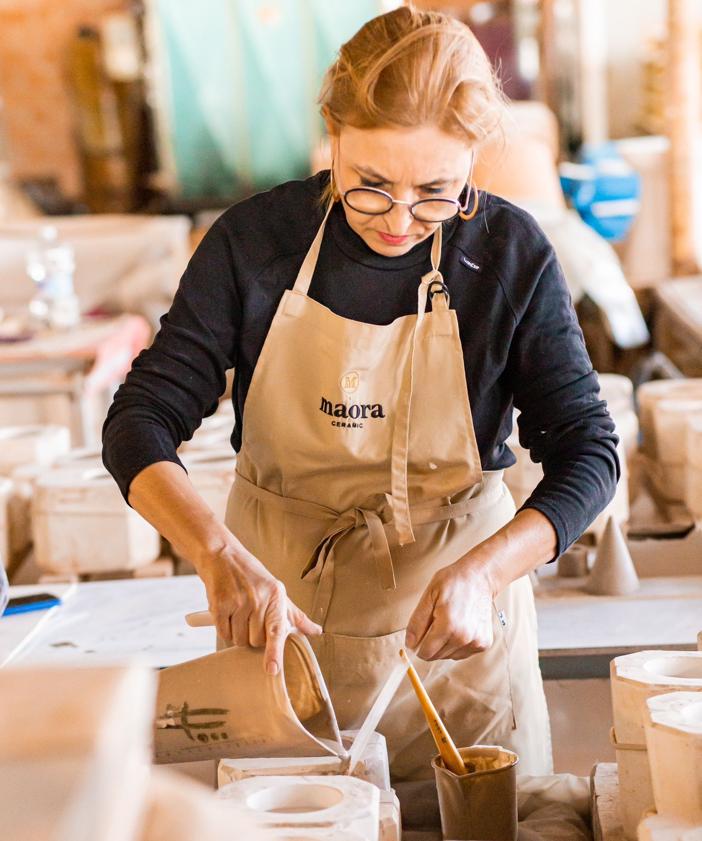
<point x="663" y="613"/>
<point x="114" y="621"/>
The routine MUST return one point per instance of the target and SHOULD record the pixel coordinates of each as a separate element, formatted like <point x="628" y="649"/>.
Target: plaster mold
<point x="74" y="752"/>
<point x="390" y="827"/>
<point x="373" y="765"/>
<point x="634" y="679"/>
<point x="613" y="573"/>
<point x="82" y="525"/>
<point x="670" y="419"/>
<point x="651" y="393"/>
<point x="24" y="479"/>
<point x="6" y="487"/>
<point x="662" y="828"/>
<point x="674" y="739"/>
<point x="693" y="479"/>
<point x="333" y="804"/>
<point x="31" y="445"/>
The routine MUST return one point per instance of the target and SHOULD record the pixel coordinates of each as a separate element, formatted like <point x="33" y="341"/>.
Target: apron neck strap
<point x="304" y="276"/>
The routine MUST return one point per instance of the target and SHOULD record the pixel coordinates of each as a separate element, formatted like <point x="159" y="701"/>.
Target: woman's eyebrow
<point x="371" y="173"/>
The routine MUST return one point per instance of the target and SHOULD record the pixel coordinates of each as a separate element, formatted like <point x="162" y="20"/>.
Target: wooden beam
<point x="684" y="129"/>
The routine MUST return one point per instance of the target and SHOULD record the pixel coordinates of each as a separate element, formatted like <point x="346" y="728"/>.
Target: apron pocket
<point x="355" y="669"/>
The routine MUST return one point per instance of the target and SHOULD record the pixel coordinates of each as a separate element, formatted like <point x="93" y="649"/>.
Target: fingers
<point x="257" y="627"/>
<point x="452" y="637"/>
<point x="276" y="626"/>
<point x="420" y="620"/>
<point x="239" y="621"/>
<point x="300" y="620"/>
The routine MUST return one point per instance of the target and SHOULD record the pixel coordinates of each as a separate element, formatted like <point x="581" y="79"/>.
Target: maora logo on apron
<point x="352" y="413"/>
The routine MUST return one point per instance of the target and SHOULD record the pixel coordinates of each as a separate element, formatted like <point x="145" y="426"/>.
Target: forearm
<point x="164" y="495"/>
<point x="525" y="543"/>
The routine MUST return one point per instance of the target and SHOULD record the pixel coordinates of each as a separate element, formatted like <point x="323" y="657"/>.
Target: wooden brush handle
<point x="449" y="752"/>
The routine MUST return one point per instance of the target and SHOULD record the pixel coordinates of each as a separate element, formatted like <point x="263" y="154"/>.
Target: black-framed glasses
<point x="374" y="202"/>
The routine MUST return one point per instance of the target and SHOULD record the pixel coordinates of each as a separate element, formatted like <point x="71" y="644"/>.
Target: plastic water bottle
<point x="50" y="264"/>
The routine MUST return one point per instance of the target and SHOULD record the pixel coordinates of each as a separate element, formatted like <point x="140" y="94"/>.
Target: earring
<point x="468" y="216"/>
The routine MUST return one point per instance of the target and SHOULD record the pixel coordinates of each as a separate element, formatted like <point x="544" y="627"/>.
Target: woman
<point x="382" y="320"/>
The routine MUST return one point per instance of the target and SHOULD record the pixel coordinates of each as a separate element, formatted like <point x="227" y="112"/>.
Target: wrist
<point x="215" y="547"/>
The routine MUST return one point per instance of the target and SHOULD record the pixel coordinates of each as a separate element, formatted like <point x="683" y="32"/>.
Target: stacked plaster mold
<point x="82" y="525"/>
<point x="635" y="678"/>
<point x="39" y="446"/>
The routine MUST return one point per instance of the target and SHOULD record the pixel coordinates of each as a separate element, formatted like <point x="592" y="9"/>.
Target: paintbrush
<point x="449" y="752"/>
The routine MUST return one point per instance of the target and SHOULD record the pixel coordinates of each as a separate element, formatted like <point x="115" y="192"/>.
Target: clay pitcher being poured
<point x="225" y="705"/>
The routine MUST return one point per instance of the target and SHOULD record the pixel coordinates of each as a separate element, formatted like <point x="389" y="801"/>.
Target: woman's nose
<point x="399" y="219"/>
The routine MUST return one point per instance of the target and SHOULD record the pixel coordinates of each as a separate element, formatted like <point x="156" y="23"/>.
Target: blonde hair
<point x="410" y="68"/>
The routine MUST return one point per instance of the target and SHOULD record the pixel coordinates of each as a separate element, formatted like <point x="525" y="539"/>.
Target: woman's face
<point x="410" y="164"/>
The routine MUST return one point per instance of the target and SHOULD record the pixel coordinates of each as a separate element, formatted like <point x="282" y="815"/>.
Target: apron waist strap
<point x="320" y="567"/>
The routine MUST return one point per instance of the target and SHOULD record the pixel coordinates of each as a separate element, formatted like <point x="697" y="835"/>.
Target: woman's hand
<point x="250" y="606"/>
<point x="454" y="616"/>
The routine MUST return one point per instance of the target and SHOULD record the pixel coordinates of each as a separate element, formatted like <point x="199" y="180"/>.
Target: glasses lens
<point x="367" y="200"/>
<point x="435" y="210"/>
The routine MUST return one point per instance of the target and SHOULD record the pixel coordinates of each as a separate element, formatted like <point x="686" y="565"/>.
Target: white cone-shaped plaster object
<point x="613" y="573"/>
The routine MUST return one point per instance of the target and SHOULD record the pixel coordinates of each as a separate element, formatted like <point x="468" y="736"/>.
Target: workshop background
<point x="126" y="128"/>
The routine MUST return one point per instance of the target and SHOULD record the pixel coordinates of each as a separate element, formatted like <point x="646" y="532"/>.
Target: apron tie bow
<point x="320" y="568"/>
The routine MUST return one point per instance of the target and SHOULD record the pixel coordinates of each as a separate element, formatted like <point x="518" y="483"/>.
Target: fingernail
<point x="410" y="640"/>
<point x="272" y="667"/>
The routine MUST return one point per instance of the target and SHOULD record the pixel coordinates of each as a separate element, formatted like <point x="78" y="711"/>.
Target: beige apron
<point x="359" y="477"/>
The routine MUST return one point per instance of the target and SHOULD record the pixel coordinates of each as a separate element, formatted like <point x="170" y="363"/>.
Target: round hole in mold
<point x="295" y="798"/>
<point x="692" y="713"/>
<point x="675" y="667"/>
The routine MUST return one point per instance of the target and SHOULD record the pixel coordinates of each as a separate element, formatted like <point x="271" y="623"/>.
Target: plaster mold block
<point x="24" y="479"/>
<point x="634" y="679"/>
<point x="663" y="828"/>
<point x="613" y="573"/>
<point x="179" y="809"/>
<point x="74" y="752"/>
<point x="390" y="828"/>
<point x="651" y="393"/>
<point x="81" y="525"/>
<point x="693" y="479"/>
<point x="31" y="445"/>
<point x="5" y="533"/>
<point x="372" y="767"/>
<point x="674" y="740"/>
<point x="337" y="803"/>
<point x="670" y="419"/>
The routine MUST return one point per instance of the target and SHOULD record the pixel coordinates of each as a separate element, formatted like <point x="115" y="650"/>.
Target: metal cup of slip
<point x="225" y="705"/>
<point x="482" y="804"/>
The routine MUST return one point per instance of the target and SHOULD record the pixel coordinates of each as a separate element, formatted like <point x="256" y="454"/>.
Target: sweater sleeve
<point x="177" y="381"/>
<point x="563" y="422"/>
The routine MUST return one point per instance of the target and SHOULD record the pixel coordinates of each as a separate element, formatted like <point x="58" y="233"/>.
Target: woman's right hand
<point x="250" y="606"/>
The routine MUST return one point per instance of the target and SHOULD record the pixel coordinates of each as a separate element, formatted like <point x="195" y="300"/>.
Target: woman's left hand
<point x="454" y="616"/>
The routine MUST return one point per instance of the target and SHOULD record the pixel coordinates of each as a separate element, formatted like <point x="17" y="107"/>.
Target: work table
<point x="111" y="621"/>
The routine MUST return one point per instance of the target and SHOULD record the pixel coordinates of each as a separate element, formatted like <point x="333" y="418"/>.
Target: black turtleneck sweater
<point x="521" y="342"/>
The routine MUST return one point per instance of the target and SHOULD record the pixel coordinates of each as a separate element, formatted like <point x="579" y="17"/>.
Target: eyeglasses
<point x="375" y="202"/>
